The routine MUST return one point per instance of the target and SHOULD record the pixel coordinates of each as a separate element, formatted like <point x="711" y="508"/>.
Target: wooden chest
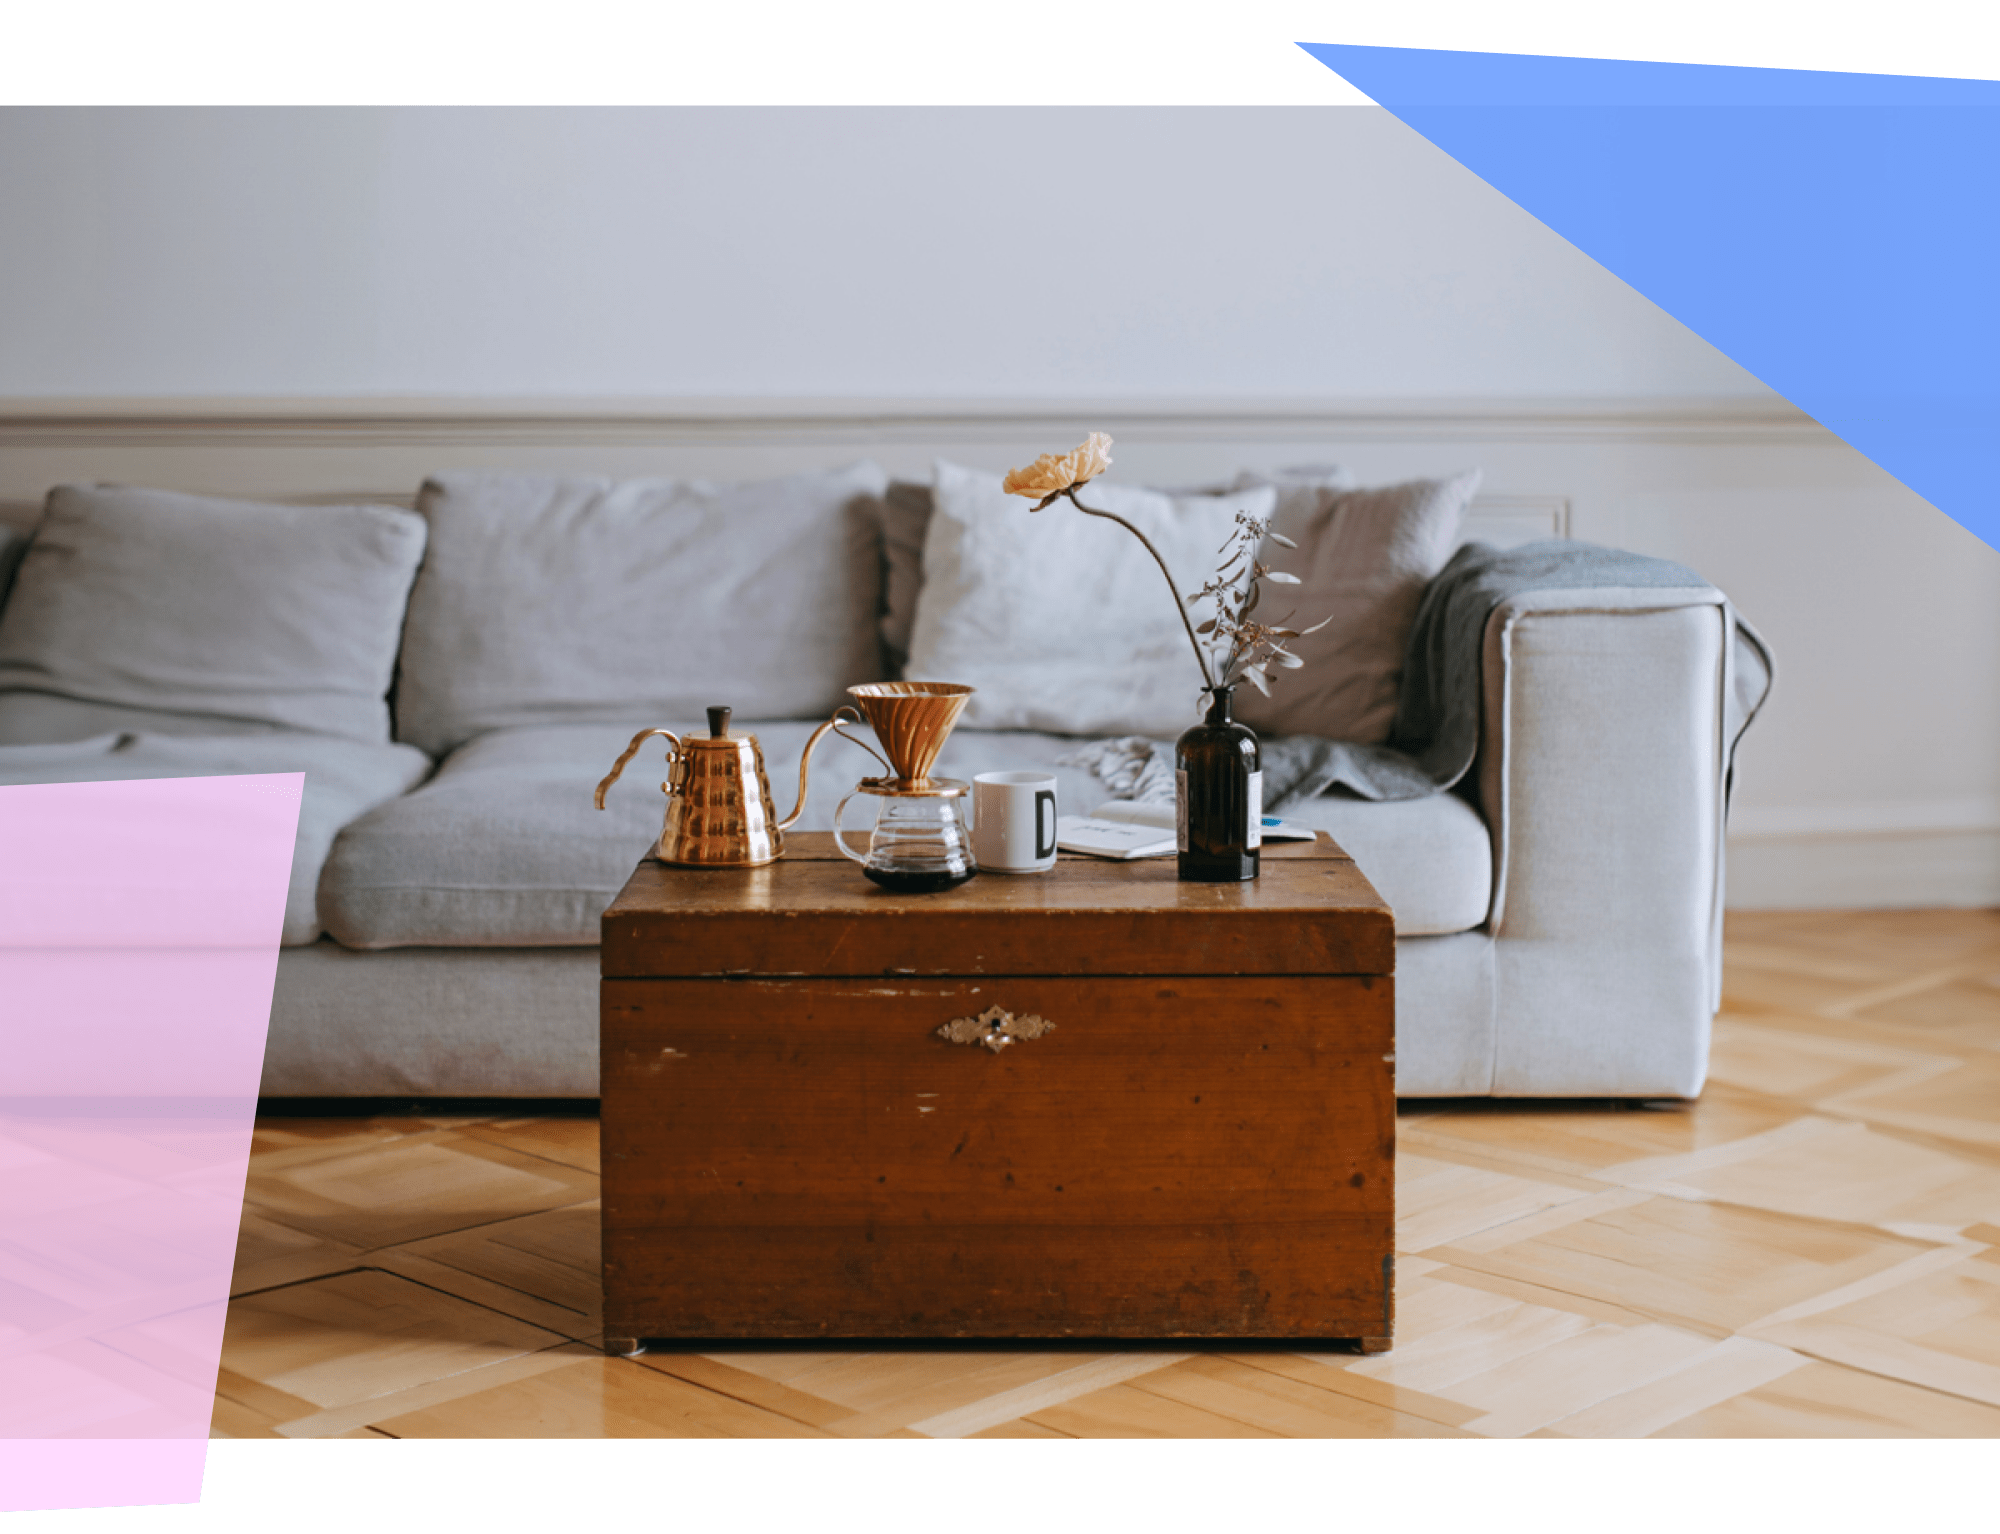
<point x="1174" y="1115"/>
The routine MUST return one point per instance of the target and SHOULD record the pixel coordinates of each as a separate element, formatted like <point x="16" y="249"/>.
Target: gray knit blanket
<point x="1435" y="736"/>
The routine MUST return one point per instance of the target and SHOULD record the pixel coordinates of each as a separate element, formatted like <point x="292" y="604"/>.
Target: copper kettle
<point x="720" y="813"/>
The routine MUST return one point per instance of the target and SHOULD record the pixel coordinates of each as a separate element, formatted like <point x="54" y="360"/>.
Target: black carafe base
<point x="926" y="883"/>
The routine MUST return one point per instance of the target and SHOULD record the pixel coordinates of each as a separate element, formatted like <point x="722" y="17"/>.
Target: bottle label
<point x="1181" y="807"/>
<point x="1256" y="837"/>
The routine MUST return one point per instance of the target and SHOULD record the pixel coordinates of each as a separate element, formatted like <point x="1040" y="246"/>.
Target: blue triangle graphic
<point x="1837" y="235"/>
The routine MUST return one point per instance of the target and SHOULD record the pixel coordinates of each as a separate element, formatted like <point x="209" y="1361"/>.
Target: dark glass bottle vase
<point x="1219" y="790"/>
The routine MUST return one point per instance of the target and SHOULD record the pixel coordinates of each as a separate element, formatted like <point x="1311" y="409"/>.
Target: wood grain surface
<point x="1188" y="1157"/>
<point x="812" y="913"/>
<point x="1201" y="1146"/>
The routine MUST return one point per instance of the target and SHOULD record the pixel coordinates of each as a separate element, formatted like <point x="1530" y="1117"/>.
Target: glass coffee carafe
<point x="919" y="843"/>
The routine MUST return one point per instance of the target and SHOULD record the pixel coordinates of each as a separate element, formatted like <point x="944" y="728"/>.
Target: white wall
<point x="1312" y="257"/>
<point x="839" y="251"/>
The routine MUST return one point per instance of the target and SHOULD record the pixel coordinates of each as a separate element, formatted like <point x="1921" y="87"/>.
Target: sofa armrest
<point x="1603" y="759"/>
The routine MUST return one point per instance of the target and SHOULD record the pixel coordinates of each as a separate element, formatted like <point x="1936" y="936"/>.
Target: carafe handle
<point x="845" y="714"/>
<point x="840" y="841"/>
<point x="675" y="755"/>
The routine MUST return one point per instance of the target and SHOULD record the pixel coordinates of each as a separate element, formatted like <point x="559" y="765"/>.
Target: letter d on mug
<point x="1014" y="822"/>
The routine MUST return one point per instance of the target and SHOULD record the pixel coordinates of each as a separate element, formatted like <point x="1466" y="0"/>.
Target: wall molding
<point x="1865" y="857"/>
<point x="1835" y="871"/>
<point x="1891" y="853"/>
<point x="751" y="422"/>
<point x="1901" y="818"/>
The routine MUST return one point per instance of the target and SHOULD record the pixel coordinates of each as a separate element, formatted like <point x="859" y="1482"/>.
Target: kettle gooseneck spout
<point x="842" y="715"/>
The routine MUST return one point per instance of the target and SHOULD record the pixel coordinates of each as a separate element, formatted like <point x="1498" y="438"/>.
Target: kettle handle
<point x="674" y="754"/>
<point x="845" y="714"/>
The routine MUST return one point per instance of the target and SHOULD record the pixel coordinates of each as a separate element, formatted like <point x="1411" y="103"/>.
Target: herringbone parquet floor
<point x="1812" y="1249"/>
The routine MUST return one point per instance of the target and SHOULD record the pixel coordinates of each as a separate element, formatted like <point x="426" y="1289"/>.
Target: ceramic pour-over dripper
<point x="912" y="720"/>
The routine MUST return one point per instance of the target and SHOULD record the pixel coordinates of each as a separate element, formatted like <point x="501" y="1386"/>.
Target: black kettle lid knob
<point x="718" y="722"/>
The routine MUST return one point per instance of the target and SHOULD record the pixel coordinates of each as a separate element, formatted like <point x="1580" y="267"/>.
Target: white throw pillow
<point x="1063" y="622"/>
<point x="570" y="600"/>
<point x="183" y="604"/>
<point x="1364" y="558"/>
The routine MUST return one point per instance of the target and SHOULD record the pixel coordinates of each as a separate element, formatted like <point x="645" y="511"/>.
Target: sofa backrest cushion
<point x="568" y="600"/>
<point x="277" y="615"/>
<point x="1364" y="558"/>
<point x="1062" y="622"/>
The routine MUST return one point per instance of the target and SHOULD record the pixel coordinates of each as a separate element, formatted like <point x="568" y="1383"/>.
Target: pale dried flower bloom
<point x="1053" y="473"/>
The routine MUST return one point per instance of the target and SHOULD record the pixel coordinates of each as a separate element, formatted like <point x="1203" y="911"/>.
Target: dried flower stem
<point x="1187" y="621"/>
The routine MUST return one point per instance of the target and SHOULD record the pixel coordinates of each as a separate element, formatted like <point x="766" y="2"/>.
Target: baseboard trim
<point x="1830" y="870"/>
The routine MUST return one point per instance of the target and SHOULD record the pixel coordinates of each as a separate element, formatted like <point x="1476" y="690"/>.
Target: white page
<point x="1112" y="838"/>
<point x="1130" y="812"/>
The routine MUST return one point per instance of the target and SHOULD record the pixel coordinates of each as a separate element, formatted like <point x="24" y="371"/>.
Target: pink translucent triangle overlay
<point x="139" y="929"/>
<point x="45" y="1473"/>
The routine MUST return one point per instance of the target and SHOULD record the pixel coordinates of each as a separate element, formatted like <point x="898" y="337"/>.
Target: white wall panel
<point x="957" y="251"/>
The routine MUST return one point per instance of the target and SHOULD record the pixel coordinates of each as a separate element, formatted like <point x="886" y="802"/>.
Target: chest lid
<point x="1312" y="911"/>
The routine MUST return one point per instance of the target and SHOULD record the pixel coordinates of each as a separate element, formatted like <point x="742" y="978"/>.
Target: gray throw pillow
<point x="1363" y="559"/>
<point x="569" y="600"/>
<point x="186" y="604"/>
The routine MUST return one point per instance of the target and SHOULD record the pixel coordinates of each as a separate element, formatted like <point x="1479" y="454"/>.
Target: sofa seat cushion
<point x="344" y="779"/>
<point x="502" y="847"/>
<point x="1431" y="859"/>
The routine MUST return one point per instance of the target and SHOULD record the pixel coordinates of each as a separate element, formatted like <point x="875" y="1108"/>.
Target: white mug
<point x="1014" y="822"/>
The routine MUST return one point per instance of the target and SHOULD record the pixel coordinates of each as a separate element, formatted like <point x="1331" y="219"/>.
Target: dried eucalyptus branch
<point x="1236" y="588"/>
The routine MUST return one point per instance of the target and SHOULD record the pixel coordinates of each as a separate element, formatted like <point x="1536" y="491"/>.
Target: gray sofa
<point x="1558" y="917"/>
